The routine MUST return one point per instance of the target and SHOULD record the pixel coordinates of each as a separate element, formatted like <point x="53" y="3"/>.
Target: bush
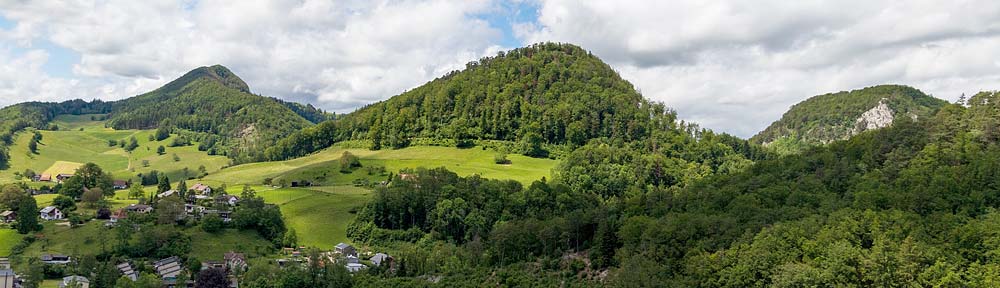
<point x="212" y="223"/>
<point x="501" y="158"/>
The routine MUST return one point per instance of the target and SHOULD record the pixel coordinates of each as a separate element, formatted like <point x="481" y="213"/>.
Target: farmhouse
<point x="50" y="213"/>
<point x="63" y="177"/>
<point x="227" y="200"/>
<point x="380" y="258"/>
<point x="353" y="265"/>
<point x="118" y="215"/>
<point x="45" y="178"/>
<point x="75" y="281"/>
<point x="346" y="250"/>
<point x="139" y="208"/>
<point x="235" y="261"/>
<point x="120" y="184"/>
<point x="202" y="189"/>
<point x="8" y="216"/>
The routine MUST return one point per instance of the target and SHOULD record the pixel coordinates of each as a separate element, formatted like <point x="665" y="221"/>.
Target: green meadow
<point x="80" y="140"/>
<point x="323" y="168"/>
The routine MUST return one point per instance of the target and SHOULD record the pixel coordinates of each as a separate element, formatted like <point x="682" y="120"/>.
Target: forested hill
<point x="837" y="116"/>
<point x="216" y="105"/>
<point x="210" y="105"/>
<point x="551" y="93"/>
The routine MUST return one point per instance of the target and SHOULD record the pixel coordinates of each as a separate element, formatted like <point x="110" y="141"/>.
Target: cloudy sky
<point x="731" y="66"/>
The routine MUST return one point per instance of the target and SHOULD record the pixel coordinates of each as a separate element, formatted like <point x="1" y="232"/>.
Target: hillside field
<point x="323" y="167"/>
<point x="63" y="150"/>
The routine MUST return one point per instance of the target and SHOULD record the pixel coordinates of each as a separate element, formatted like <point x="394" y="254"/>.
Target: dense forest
<point x="830" y="117"/>
<point x="549" y="93"/>
<point x="909" y="205"/>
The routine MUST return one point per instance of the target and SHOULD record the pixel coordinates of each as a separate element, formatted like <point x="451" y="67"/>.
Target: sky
<point x="730" y="66"/>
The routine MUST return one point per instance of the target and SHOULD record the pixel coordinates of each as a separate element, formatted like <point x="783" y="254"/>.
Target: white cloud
<point x="733" y="66"/>
<point x="736" y="66"/>
<point x="337" y="55"/>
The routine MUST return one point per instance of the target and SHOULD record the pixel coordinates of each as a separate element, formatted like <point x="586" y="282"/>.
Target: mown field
<point x="319" y="215"/>
<point x="324" y="168"/>
<point x="63" y="150"/>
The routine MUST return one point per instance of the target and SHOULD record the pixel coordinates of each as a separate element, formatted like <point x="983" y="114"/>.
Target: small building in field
<point x="50" y="213"/>
<point x="380" y="258"/>
<point x="8" y="216"/>
<point x="120" y="184"/>
<point x="45" y="178"/>
<point x="75" y="282"/>
<point x="230" y="200"/>
<point x="139" y="208"/>
<point x="235" y="261"/>
<point x="118" y="215"/>
<point x="63" y="177"/>
<point x="202" y="189"/>
<point x="345" y="250"/>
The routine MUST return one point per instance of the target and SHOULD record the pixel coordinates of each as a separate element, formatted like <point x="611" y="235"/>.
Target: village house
<point x="380" y="258"/>
<point x="168" y="269"/>
<point x="63" y="177"/>
<point x="45" y="178"/>
<point x="353" y="265"/>
<point x="193" y="210"/>
<point x="120" y="184"/>
<point x="139" y="208"/>
<point x="235" y="261"/>
<point x="227" y="200"/>
<point x="127" y="271"/>
<point x="8" y="216"/>
<point x="75" y="282"/>
<point x="345" y="250"/>
<point x="50" y="213"/>
<point x="118" y="215"/>
<point x="55" y="259"/>
<point x="202" y="189"/>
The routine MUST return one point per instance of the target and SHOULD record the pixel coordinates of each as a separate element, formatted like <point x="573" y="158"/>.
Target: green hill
<point x="837" y="116"/>
<point x="216" y="105"/>
<point x="546" y="93"/>
<point x="210" y="105"/>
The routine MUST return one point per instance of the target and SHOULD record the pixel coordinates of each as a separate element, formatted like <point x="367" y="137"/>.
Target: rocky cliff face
<point x="880" y="116"/>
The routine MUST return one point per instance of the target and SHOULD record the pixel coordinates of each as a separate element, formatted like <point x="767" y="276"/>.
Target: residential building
<point x="50" y="213"/>
<point x="345" y="250"/>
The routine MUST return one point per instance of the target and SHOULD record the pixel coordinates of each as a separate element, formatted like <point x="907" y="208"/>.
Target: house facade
<point x="50" y="213"/>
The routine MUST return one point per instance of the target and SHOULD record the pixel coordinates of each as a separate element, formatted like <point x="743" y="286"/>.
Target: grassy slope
<point x="59" y="150"/>
<point x="324" y="165"/>
<point x="319" y="215"/>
